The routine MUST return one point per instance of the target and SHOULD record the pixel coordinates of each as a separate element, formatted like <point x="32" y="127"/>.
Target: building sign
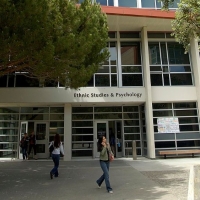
<point x="168" y="125"/>
<point x="104" y="95"/>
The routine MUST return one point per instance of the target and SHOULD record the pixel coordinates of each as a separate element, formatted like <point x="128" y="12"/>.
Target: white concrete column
<point x="116" y="3"/>
<point x="119" y="60"/>
<point x="148" y="104"/>
<point x="68" y="132"/>
<point x="195" y="60"/>
<point x="139" y="4"/>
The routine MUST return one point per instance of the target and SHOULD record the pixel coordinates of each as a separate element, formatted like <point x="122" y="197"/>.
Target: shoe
<point x="51" y="175"/>
<point x="98" y="185"/>
<point x="111" y="192"/>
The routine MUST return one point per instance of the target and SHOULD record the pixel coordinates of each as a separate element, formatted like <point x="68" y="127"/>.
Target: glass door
<point x="119" y="139"/>
<point x="41" y="139"/>
<point x="101" y="129"/>
<point x="23" y="129"/>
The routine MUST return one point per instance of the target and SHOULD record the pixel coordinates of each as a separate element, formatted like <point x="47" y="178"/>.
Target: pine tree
<point x="52" y="39"/>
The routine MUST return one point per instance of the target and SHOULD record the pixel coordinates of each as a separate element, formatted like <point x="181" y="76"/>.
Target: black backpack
<point x="51" y="148"/>
<point x="21" y="144"/>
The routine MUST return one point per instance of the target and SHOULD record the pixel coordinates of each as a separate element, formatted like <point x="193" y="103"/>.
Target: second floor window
<point x="169" y="65"/>
<point x="107" y="73"/>
<point x="131" y="64"/>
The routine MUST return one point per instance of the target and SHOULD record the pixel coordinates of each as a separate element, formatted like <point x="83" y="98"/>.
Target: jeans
<point x="105" y="168"/>
<point x="30" y="148"/>
<point x="24" y="153"/>
<point x="56" y="159"/>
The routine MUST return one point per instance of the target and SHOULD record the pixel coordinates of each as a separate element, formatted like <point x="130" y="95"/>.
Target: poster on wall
<point x="168" y="125"/>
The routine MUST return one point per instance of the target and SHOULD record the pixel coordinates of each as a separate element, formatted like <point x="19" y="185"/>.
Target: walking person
<point x="105" y="151"/>
<point x="58" y="149"/>
<point x="24" y="146"/>
<point x="32" y="145"/>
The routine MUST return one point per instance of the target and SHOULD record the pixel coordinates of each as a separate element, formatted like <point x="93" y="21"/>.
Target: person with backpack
<point x="24" y="145"/>
<point x="55" y="154"/>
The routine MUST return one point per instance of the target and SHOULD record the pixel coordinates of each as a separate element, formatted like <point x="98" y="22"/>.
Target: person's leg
<point x="57" y="165"/>
<point x="101" y="179"/>
<point x="29" y="150"/>
<point x="105" y="170"/>
<point x="26" y="156"/>
<point x="106" y="175"/>
<point x="52" y="171"/>
<point x="55" y="159"/>
<point x="23" y="153"/>
<point x="34" y="149"/>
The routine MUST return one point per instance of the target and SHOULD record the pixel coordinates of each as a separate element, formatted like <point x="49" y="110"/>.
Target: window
<point x="129" y="34"/>
<point x="174" y="5"/>
<point x="107" y="73"/>
<point x="21" y="79"/>
<point x="131" y="64"/>
<point x="102" y="2"/>
<point x="127" y="3"/>
<point x="169" y="65"/>
<point x="187" y="114"/>
<point x="82" y="127"/>
<point x="148" y="3"/>
<point x="112" y="34"/>
<point x="151" y="4"/>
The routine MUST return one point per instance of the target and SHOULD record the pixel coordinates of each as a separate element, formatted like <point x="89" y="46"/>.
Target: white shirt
<point x="57" y="150"/>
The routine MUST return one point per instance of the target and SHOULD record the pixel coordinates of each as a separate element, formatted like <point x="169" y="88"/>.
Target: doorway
<point x="101" y="129"/>
<point x="23" y="129"/>
<point x="116" y="138"/>
<point x="112" y="130"/>
<point x="41" y="132"/>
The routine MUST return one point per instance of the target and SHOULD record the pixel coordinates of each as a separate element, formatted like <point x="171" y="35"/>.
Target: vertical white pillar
<point x="139" y="4"/>
<point x="119" y="60"/>
<point x="148" y="104"/>
<point x="68" y="132"/>
<point x="116" y="3"/>
<point x="195" y="60"/>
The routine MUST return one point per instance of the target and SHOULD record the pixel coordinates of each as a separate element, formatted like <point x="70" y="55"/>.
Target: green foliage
<point x="166" y="4"/>
<point x="187" y="21"/>
<point x="52" y="39"/>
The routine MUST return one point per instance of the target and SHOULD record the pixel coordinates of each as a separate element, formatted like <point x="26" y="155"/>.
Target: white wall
<point x="62" y="95"/>
<point x="172" y="94"/>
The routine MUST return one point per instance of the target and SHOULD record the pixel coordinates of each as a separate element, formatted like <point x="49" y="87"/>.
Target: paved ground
<point x="142" y="179"/>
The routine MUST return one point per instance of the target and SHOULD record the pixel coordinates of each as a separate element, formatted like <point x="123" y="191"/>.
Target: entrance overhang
<point x="133" y="19"/>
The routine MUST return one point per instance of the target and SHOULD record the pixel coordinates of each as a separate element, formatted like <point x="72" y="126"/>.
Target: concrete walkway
<point x="142" y="179"/>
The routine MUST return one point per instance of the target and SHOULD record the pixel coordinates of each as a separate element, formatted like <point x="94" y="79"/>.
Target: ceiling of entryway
<point x="133" y="19"/>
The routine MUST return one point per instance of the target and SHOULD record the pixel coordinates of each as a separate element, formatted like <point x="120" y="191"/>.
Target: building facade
<point x="148" y="76"/>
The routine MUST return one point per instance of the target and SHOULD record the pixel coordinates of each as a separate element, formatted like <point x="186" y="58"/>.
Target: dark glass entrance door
<point x="101" y="129"/>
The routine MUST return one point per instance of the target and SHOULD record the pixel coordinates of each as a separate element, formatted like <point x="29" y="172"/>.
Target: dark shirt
<point x="32" y="140"/>
<point x="24" y="142"/>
